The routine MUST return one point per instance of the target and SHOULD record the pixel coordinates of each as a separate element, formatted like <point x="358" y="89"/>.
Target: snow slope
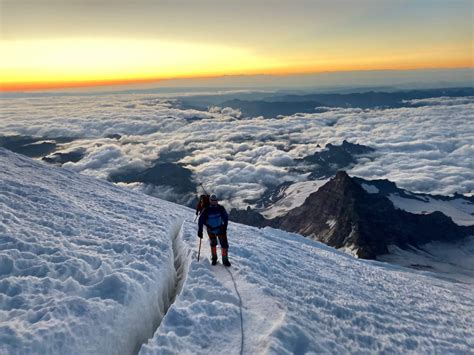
<point x="84" y="266"/>
<point x="87" y="267"/>
<point x="292" y="197"/>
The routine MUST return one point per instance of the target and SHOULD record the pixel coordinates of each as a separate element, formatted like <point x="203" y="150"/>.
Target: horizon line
<point x="21" y="87"/>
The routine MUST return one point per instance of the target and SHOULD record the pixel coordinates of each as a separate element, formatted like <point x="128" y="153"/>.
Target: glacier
<point x="87" y="267"/>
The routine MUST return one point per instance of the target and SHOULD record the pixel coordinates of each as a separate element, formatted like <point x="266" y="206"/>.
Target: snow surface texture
<point x="84" y="266"/>
<point x="422" y="149"/>
<point x="300" y="296"/>
<point x="87" y="267"/>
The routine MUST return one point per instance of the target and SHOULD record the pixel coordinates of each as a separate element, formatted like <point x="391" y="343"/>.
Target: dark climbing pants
<point x="222" y="241"/>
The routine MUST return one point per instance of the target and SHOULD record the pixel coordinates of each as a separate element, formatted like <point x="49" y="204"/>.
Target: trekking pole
<point x="199" y="252"/>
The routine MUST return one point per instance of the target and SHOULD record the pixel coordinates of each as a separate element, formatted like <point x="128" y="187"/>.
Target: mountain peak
<point x="342" y="175"/>
<point x="344" y="180"/>
<point x="342" y="214"/>
<point x="342" y="189"/>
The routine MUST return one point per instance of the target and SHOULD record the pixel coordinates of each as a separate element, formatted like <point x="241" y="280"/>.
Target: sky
<point x="61" y="43"/>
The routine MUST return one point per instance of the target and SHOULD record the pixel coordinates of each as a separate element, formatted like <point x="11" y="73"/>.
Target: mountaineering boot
<point x="214" y="255"/>
<point x="225" y="261"/>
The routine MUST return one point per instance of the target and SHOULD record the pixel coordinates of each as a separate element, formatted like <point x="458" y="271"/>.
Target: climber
<point x="215" y="218"/>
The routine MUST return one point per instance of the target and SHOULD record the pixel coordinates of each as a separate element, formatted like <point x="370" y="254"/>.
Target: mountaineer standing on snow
<point x="215" y="218"/>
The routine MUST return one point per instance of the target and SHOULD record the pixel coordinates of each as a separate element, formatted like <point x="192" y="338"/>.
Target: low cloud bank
<point x="425" y="148"/>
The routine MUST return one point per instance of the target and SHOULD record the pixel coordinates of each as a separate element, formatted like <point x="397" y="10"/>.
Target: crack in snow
<point x="177" y="275"/>
<point x="181" y="264"/>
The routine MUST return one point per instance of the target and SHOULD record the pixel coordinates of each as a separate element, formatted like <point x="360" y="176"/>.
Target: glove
<point x="200" y="234"/>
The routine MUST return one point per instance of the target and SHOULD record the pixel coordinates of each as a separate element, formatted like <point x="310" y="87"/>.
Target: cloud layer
<point x="426" y="148"/>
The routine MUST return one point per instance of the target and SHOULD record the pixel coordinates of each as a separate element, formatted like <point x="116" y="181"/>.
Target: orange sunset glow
<point x="44" y="54"/>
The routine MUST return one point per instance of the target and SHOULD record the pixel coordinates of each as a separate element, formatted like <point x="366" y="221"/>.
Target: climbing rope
<point x="241" y="316"/>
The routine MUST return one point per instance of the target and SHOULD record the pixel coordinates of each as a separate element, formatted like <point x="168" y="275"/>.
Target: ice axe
<point x="199" y="252"/>
<point x="200" y="184"/>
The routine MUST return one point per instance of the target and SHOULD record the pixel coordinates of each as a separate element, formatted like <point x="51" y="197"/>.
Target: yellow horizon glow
<point x="60" y="63"/>
<point x="59" y="60"/>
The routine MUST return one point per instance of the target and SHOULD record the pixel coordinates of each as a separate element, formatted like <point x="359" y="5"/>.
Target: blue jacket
<point x="215" y="218"/>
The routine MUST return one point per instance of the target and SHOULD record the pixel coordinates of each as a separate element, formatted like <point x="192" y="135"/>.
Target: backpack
<point x="202" y="204"/>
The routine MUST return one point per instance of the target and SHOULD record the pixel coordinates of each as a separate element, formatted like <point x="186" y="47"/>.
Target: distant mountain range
<point x="272" y="106"/>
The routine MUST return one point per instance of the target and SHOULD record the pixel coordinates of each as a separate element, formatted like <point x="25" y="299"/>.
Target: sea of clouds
<point x="425" y="148"/>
